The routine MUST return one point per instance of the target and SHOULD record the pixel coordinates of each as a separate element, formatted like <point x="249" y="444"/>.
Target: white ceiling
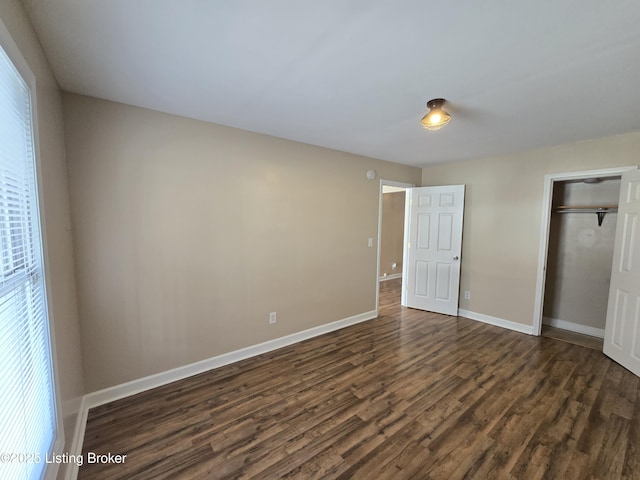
<point x="355" y="75"/>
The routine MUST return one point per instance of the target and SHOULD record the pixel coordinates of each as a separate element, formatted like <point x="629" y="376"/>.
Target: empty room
<point x="319" y="240"/>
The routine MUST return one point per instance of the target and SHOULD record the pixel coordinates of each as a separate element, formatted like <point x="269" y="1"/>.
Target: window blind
<point x="27" y="402"/>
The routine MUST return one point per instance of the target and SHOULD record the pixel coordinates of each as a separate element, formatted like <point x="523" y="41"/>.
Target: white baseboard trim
<point x="391" y="277"/>
<point x="117" y="392"/>
<point x="574" y="327"/>
<point x="123" y="390"/>
<point x="498" y="322"/>
<point x="78" y="439"/>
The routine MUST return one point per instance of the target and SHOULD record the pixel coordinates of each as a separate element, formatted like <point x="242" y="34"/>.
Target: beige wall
<point x="580" y="254"/>
<point x="188" y="234"/>
<point x="502" y="217"/>
<point x="392" y="233"/>
<point x="55" y="214"/>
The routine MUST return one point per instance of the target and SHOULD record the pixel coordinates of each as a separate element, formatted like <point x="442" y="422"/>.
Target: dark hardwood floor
<point x="410" y="395"/>
<point x="572" y="337"/>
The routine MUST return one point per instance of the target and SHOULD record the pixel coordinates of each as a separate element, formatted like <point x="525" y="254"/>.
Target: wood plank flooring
<point x="410" y="395"/>
<point x="572" y="337"/>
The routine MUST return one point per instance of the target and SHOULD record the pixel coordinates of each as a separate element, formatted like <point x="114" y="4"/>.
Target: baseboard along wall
<point x="498" y="322"/>
<point x="117" y="392"/>
<point x="133" y="387"/>
<point x="390" y="277"/>
<point x="573" y="327"/>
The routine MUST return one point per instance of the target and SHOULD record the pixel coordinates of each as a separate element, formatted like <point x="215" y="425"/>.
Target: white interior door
<point x="433" y="232"/>
<point x="622" y="330"/>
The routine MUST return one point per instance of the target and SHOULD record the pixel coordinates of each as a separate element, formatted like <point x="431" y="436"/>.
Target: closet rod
<point x="599" y="210"/>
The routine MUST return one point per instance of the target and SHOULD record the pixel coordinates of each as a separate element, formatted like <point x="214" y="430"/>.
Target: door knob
<point x="456" y="257"/>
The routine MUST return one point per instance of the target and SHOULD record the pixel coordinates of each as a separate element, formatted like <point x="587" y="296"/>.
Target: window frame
<point x="15" y="55"/>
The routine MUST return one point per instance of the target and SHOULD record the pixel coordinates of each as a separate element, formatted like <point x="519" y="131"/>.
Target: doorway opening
<point x="581" y="239"/>
<point x="391" y="217"/>
<point x="576" y="252"/>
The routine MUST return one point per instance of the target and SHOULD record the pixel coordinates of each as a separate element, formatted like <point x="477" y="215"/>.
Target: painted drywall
<point x="580" y="254"/>
<point x="55" y="216"/>
<point x="502" y="218"/>
<point x="188" y="234"/>
<point x="392" y="233"/>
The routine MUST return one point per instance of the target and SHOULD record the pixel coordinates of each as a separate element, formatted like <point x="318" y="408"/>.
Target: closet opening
<point x="580" y="253"/>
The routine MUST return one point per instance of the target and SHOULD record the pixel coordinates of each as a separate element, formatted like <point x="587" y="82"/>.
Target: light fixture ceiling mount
<point x="436" y="118"/>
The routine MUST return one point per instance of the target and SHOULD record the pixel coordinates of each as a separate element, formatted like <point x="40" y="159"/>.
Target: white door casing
<point x="622" y="328"/>
<point x="433" y="236"/>
<point x="547" y="201"/>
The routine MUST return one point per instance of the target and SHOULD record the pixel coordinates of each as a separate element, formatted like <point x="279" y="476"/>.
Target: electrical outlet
<point x="467" y="295"/>
<point x="394" y="265"/>
<point x="272" y="318"/>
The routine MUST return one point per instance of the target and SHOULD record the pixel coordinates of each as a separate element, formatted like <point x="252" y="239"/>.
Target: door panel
<point x="422" y="279"/>
<point x="622" y="330"/>
<point x="424" y="231"/>
<point x="445" y="232"/>
<point x="433" y="231"/>
<point x="443" y="281"/>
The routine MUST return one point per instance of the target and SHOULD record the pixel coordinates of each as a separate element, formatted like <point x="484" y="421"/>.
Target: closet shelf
<point x="599" y="210"/>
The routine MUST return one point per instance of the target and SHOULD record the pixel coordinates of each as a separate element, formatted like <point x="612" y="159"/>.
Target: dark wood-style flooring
<point x="410" y="395"/>
<point x="572" y="337"/>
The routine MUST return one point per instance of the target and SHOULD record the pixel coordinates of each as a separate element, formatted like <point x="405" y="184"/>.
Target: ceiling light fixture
<point x="436" y="118"/>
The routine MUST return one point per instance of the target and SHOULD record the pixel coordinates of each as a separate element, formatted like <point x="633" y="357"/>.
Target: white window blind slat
<point x="27" y="401"/>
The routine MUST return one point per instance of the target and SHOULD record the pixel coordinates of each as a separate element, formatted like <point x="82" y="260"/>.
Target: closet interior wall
<point x="580" y="257"/>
